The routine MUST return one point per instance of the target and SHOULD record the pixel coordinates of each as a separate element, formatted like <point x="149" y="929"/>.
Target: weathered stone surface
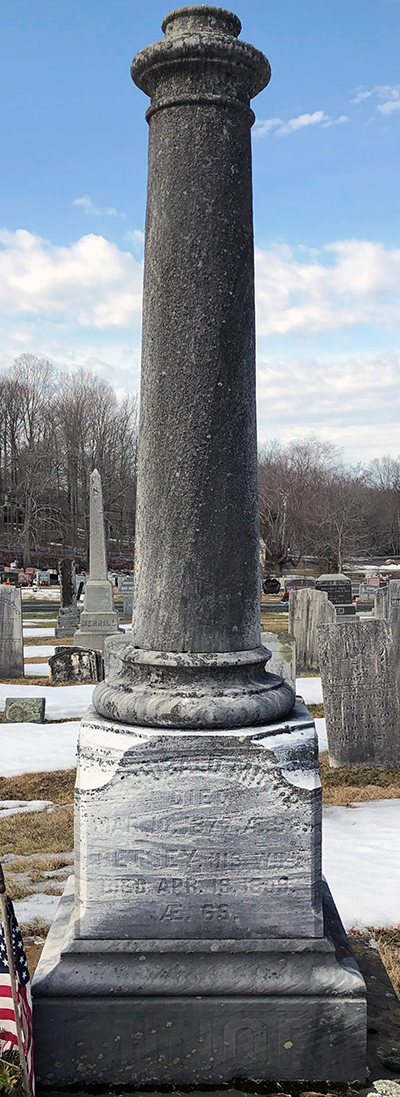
<point x="283" y="655"/>
<point x="69" y="615"/>
<point x="224" y="839"/>
<point x="337" y="587"/>
<point x="11" y="642"/>
<point x="29" y="710"/>
<point x="197" y="503"/>
<point x="361" y="701"/>
<point x="98" y="618"/>
<point x="190" y="1013"/>
<point x="73" y="664"/>
<point x="307" y="610"/>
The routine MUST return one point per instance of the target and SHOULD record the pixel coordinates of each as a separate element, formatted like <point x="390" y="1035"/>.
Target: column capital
<point x="200" y="60"/>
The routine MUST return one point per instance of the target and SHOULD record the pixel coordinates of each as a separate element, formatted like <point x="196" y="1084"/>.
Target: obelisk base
<point x="197" y="947"/>
<point x="153" y="1012"/>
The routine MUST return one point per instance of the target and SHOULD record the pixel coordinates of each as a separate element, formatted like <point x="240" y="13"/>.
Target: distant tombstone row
<point x="359" y="671"/>
<point x="338" y="589"/>
<point x="307" y="610"/>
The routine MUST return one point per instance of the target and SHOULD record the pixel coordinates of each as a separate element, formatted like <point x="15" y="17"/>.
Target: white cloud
<point x="91" y="283"/>
<point x="353" y="402"/>
<point x="356" y="282"/>
<point x="282" y="129"/>
<point x="388" y="96"/>
<point x="136" y="238"/>
<point x="85" y="203"/>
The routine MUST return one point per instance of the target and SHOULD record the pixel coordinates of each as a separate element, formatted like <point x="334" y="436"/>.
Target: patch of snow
<point x="36" y="651"/>
<point x="36" y="670"/>
<point x="310" y="689"/>
<point x="17" y="807"/>
<point x="61" y="701"/>
<point x="36" y="906"/>
<point x="29" y="633"/>
<point x="361" y="862"/>
<point x="37" y="748"/>
<point x="321" y="732"/>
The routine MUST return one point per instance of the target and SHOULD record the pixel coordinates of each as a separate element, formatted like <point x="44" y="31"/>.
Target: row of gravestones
<point x="358" y="660"/>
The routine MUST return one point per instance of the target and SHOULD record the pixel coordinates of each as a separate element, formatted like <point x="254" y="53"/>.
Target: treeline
<point x="55" y="429"/>
<point x="311" y="504"/>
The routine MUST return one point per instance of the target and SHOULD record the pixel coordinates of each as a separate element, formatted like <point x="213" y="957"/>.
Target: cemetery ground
<point x="360" y="832"/>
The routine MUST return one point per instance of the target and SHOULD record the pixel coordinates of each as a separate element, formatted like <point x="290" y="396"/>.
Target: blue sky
<point x="326" y="203"/>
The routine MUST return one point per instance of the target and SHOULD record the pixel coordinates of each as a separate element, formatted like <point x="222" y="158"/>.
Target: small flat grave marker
<point x="24" y="710"/>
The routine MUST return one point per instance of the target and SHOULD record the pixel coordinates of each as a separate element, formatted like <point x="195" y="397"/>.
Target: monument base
<point x="67" y="622"/>
<point x="186" y="1012"/>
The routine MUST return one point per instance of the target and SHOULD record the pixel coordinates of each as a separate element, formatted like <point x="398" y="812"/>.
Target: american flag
<point x="8" y="1028"/>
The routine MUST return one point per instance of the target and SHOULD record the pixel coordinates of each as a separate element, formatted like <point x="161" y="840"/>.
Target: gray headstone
<point x="11" y="642"/>
<point x="69" y="615"/>
<point x="283" y="655"/>
<point x="360" y="691"/>
<point x="381" y="604"/>
<point x="73" y="664"/>
<point x="128" y="606"/>
<point x="298" y="582"/>
<point x="307" y="610"/>
<point x="127" y="584"/>
<point x="337" y="587"/>
<point x="98" y="618"/>
<point x="24" y="710"/>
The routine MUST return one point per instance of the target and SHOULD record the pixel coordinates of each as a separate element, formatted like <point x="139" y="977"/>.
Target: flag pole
<point x="10" y="961"/>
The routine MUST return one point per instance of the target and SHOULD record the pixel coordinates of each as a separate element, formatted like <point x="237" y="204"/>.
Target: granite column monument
<point x="196" y="943"/>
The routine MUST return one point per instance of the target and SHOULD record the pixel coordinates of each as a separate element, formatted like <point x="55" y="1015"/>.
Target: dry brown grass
<point x="23" y="681"/>
<point x="38" y="832"/>
<point x="347" y="784"/>
<point x="316" y="710"/>
<point x="57" y="786"/>
<point x="388" y="942"/>
<point x="42" y="641"/>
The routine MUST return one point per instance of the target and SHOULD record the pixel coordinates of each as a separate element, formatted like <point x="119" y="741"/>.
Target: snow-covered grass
<point x="15" y="807"/>
<point x="29" y="632"/>
<point x="62" y="702"/>
<point x="38" y="651"/>
<point x="361" y="862"/>
<point x="310" y="689"/>
<point x="36" y="670"/>
<point x="37" y="748"/>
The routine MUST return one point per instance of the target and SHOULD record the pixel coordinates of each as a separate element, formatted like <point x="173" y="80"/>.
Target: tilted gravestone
<point x="72" y="664"/>
<point x="307" y="610"/>
<point x="24" y="710"/>
<point x="360" y="690"/>
<point x="283" y="655"/>
<point x="338" y="589"/>
<point x="192" y="947"/>
<point x="69" y="615"/>
<point x="11" y="641"/>
<point x="128" y="606"/>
